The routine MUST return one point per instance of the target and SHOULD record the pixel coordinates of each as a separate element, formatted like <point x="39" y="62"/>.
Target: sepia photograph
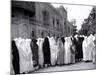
<point x="52" y="37"/>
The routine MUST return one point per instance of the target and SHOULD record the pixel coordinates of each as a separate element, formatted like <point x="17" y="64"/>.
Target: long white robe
<point x="60" y="52"/>
<point x="40" y="51"/>
<point x="53" y="50"/>
<point x="88" y="48"/>
<point x="29" y="55"/>
<point x="85" y="49"/>
<point x="67" y="55"/>
<point x="25" y="55"/>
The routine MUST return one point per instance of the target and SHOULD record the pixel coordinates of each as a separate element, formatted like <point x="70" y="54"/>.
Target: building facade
<point x="38" y="19"/>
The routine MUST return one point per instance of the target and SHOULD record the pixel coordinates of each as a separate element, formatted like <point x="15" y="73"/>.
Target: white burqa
<point x="40" y="51"/>
<point x="88" y="48"/>
<point x="67" y="55"/>
<point x="53" y="50"/>
<point x="25" y="55"/>
<point x="85" y="49"/>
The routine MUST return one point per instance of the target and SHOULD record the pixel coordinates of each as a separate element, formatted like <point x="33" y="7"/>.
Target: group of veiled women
<point x="31" y="54"/>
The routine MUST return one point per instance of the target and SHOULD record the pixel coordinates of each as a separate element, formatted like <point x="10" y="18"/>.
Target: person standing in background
<point x="34" y="48"/>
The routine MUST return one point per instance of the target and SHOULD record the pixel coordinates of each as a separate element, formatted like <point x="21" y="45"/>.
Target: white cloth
<point x="94" y="55"/>
<point x="25" y="55"/>
<point x="85" y="49"/>
<point x="67" y="55"/>
<point x="53" y="50"/>
<point x="88" y="48"/>
<point x="40" y="51"/>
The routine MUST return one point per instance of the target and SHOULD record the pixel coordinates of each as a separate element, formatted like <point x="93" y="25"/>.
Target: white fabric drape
<point x="25" y="54"/>
<point x="40" y="51"/>
<point x="67" y="55"/>
<point x="53" y="50"/>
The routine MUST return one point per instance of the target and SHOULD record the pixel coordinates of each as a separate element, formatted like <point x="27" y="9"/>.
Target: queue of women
<point x="32" y="54"/>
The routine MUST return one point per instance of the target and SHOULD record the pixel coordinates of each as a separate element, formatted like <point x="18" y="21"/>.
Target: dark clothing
<point x="46" y="51"/>
<point x="79" y="48"/>
<point x="15" y="60"/>
<point x="63" y="40"/>
<point x="74" y="43"/>
<point x="34" y="48"/>
<point x="76" y="50"/>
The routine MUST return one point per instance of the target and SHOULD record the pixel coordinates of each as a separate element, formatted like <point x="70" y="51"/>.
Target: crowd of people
<point x="32" y="54"/>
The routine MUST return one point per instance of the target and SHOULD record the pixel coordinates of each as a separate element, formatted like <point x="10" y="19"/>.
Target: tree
<point x="89" y="24"/>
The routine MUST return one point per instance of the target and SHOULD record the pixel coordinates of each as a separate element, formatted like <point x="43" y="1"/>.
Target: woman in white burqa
<point x="25" y="55"/>
<point x="40" y="51"/>
<point x="88" y="47"/>
<point x="60" y="54"/>
<point x="85" y="49"/>
<point x="67" y="55"/>
<point x="53" y="50"/>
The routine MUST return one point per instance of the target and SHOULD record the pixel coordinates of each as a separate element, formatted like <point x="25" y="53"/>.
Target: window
<point x="32" y="33"/>
<point x="53" y="22"/>
<point x="42" y="34"/>
<point x="68" y="29"/>
<point x="30" y="14"/>
<point x="65" y="23"/>
<point x="57" y="22"/>
<point x="45" y="17"/>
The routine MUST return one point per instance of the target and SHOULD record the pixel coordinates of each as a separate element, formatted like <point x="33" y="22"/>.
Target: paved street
<point x="76" y="66"/>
